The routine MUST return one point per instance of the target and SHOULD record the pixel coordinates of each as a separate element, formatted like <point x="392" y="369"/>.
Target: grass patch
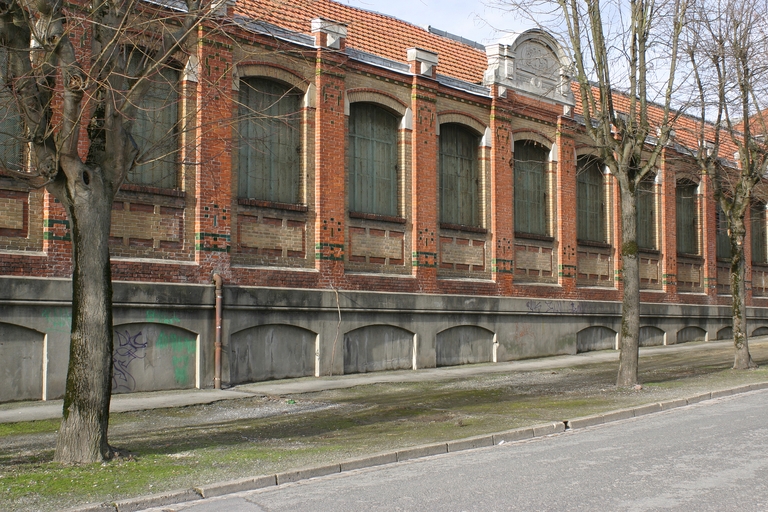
<point x="184" y="447"/>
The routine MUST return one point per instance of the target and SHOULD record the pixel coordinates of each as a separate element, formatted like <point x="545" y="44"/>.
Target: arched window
<point x="530" y="188"/>
<point x="11" y="146"/>
<point x="687" y="217"/>
<point x="269" y="149"/>
<point x="372" y="160"/>
<point x="757" y="222"/>
<point x="459" y="176"/>
<point x="646" y="213"/>
<point x="590" y="200"/>
<point x="155" y="129"/>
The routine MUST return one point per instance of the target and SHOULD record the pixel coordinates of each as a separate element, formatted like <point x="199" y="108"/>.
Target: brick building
<point x="375" y="196"/>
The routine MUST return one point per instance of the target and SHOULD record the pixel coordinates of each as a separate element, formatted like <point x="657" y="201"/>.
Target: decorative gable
<point x="534" y="64"/>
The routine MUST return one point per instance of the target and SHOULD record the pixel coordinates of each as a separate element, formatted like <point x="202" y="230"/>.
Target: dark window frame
<point x="269" y="143"/>
<point x="592" y="213"/>
<point x="373" y="160"/>
<point x="531" y="188"/>
<point x="459" y="176"/>
<point x="687" y="217"/>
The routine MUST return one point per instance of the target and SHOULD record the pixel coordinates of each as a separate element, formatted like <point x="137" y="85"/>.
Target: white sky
<point x="467" y="18"/>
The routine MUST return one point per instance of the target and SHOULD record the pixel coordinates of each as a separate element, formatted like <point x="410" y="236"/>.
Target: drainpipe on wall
<point x="217" y="337"/>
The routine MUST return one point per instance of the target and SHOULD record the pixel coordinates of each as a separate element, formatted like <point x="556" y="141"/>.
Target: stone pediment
<point x="534" y="64"/>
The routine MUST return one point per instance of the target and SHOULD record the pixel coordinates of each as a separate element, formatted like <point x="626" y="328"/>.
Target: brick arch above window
<point x="270" y="71"/>
<point x="464" y="119"/>
<point x="536" y="137"/>
<point x="391" y="103"/>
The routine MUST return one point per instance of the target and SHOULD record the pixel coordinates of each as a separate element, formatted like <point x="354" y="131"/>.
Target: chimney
<point x="329" y="34"/>
<point x="422" y="62"/>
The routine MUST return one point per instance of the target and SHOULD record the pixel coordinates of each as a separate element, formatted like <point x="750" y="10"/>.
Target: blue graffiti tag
<point x="127" y="349"/>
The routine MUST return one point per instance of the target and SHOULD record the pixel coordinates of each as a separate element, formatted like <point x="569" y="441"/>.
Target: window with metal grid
<point x="530" y="188"/>
<point x="459" y="177"/>
<point x="758" y="233"/>
<point x="269" y="147"/>
<point x="590" y="200"/>
<point x="372" y="160"/>
<point x="11" y="144"/>
<point x="687" y="218"/>
<point x="646" y="214"/>
<point x="155" y="128"/>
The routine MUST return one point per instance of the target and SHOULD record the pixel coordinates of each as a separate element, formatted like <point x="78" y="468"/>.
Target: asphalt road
<point x="708" y="456"/>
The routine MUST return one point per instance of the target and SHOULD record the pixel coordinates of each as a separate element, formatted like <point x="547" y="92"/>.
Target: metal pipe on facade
<point x="219" y="282"/>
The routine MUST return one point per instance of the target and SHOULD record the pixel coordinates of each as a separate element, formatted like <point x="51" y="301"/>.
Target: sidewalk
<point x="52" y="409"/>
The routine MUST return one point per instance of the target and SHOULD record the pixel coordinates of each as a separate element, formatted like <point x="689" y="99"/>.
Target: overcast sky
<point x="467" y="18"/>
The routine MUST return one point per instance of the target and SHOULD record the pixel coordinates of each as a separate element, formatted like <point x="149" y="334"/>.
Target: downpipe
<point x="219" y="282"/>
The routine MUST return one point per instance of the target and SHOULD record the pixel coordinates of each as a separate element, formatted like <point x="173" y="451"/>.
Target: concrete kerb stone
<point x="722" y="393"/>
<point x="422" y="451"/>
<point x="93" y="507"/>
<point x="156" y="500"/>
<point x="548" y="428"/>
<point x="470" y="443"/>
<point x="510" y="436"/>
<point x="673" y="404"/>
<point x="647" y="409"/>
<point x="304" y="474"/>
<point x="585" y="421"/>
<point x="621" y="414"/>
<point x="367" y="462"/>
<point x="239" y="485"/>
<point x="699" y="398"/>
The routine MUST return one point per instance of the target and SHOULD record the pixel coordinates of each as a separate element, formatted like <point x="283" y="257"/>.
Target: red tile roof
<point x="371" y="32"/>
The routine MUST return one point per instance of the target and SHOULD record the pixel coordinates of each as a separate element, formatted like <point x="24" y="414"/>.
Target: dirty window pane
<point x="372" y="160"/>
<point x="458" y="176"/>
<point x="530" y="188"/>
<point x="269" y="148"/>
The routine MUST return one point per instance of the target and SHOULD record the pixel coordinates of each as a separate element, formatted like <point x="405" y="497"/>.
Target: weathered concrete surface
<point x="161" y="323"/>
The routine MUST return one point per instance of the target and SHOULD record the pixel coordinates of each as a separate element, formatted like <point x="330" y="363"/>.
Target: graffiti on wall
<point x="128" y="348"/>
<point x="153" y="356"/>
<point x="553" y="306"/>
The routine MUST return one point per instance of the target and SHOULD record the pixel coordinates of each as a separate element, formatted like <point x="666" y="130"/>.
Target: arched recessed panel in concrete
<point x="651" y="336"/>
<point x="378" y="347"/>
<point x="595" y="338"/>
<point x="274" y="351"/>
<point x="760" y="331"/>
<point x="153" y="357"/>
<point x="691" y="333"/>
<point x="464" y="344"/>
<point x="726" y="333"/>
<point x="21" y="363"/>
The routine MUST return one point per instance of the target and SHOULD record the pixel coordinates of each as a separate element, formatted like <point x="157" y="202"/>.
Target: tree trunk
<point x="629" y="341"/>
<point x="83" y="434"/>
<point x="742" y="359"/>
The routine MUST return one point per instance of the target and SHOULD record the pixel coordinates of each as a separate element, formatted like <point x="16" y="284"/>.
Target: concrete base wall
<point x="164" y="333"/>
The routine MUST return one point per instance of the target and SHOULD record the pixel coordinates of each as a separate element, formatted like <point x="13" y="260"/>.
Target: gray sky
<point x="466" y="18"/>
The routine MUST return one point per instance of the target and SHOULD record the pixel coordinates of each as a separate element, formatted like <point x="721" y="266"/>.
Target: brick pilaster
<point x="213" y="186"/>
<point x="566" y="205"/>
<point x="425" y="185"/>
<point x="502" y="196"/>
<point x="708" y="236"/>
<point x="330" y="178"/>
<point x="668" y="226"/>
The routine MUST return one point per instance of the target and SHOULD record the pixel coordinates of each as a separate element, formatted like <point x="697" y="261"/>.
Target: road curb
<point x="416" y="452"/>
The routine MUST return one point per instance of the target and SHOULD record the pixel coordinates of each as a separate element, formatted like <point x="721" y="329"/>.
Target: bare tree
<point x="75" y="90"/>
<point x="726" y="45"/>
<point x="625" y="101"/>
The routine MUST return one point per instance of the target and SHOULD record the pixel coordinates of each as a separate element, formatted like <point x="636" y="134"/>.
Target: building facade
<point x="374" y="196"/>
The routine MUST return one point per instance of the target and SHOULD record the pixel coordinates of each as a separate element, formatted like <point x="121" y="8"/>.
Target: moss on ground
<point x="183" y="447"/>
